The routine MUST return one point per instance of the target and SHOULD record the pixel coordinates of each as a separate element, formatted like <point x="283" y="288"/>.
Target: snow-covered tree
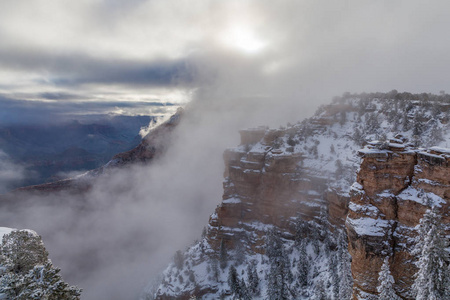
<point x="319" y="292"/>
<point x="386" y="283"/>
<point x="178" y="259"/>
<point x="233" y="280"/>
<point x="303" y="265"/>
<point x="45" y="282"/>
<point x="417" y="124"/>
<point x="215" y="268"/>
<point x="435" y="135"/>
<point x="27" y="273"/>
<point x="280" y="274"/>
<point x="252" y="279"/>
<point x="223" y="255"/>
<point x="432" y="278"/>
<point x="21" y="250"/>
<point x="346" y="283"/>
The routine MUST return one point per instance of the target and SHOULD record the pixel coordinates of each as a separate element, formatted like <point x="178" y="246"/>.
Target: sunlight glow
<point x="244" y="39"/>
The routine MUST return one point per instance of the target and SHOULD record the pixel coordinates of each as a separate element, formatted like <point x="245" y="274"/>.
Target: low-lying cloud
<point x="10" y="173"/>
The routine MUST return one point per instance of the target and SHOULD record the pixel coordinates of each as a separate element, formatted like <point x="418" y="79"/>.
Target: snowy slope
<point x="326" y="147"/>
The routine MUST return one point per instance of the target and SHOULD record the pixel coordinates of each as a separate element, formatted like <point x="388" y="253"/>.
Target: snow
<point x="356" y="186"/>
<point x="369" y="226"/>
<point x="441" y="150"/>
<point x="367" y="209"/>
<point x="321" y="145"/>
<point x="419" y="196"/>
<point x="431" y="155"/>
<point x="396" y="145"/>
<point x="5" y="230"/>
<point x="232" y="201"/>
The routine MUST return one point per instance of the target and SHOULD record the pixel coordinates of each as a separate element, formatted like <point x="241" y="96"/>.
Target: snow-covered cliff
<point x="289" y="189"/>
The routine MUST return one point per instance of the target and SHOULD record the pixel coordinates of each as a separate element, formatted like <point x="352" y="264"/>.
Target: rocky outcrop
<point x="395" y="185"/>
<point x="266" y="185"/>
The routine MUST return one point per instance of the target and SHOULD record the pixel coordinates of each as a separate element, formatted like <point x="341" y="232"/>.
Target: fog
<point x="285" y="59"/>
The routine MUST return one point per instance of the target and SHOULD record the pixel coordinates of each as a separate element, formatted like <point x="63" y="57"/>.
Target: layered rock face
<point x="265" y="185"/>
<point x="396" y="184"/>
<point x="303" y="174"/>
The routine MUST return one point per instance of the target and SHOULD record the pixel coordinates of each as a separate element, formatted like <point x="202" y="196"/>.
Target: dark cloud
<point x="78" y="69"/>
<point x="60" y="96"/>
<point x="14" y="111"/>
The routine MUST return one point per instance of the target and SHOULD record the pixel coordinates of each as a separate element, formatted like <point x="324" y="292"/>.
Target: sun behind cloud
<point x="241" y="37"/>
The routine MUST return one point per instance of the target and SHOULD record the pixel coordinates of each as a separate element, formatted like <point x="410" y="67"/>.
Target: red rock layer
<point x="387" y="202"/>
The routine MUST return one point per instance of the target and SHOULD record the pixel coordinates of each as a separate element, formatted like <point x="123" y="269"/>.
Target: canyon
<point x="348" y="175"/>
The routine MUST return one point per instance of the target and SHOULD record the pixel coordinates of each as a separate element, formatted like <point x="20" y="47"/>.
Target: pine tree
<point x="405" y="123"/>
<point x="319" y="291"/>
<point x="178" y="259"/>
<point x="223" y="255"/>
<point x="239" y="253"/>
<point x="22" y="250"/>
<point x="303" y="265"/>
<point x="432" y="277"/>
<point x="346" y="283"/>
<point x="215" y="269"/>
<point x="252" y="279"/>
<point x="233" y="281"/>
<point x="244" y="292"/>
<point x="357" y="136"/>
<point x="417" y="124"/>
<point x="385" y="283"/>
<point x="279" y="273"/>
<point x="45" y="282"/>
<point x="334" y="274"/>
<point x="435" y="135"/>
<point x="28" y="274"/>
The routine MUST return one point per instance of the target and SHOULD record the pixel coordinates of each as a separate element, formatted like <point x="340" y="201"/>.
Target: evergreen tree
<point x="386" y="283"/>
<point x="435" y="135"/>
<point x="27" y="272"/>
<point x="215" y="269"/>
<point x="244" y="292"/>
<point x="319" y="291"/>
<point x="343" y="118"/>
<point x="21" y="250"/>
<point x="253" y="280"/>
<point x="372" y="123"/>
<point x="239" y="253"/>
<point x="45" y="282"/>
<point x="233" y="280"/>
<point x="303" y="265"/>
<point x="405" y="123"/>
<point x="334" y="274"/>
<point x="432" y="277"/>
<point x="417" y="124"/>
<point x="178" y="259"/>
<point x="223" y="255"/>
<point x="346" y="283"/>
<point x="279" y="274"/>
<point x="358" y="136"/>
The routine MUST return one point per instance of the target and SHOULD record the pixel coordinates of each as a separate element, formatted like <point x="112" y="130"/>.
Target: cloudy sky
<point x="141" y="50"/>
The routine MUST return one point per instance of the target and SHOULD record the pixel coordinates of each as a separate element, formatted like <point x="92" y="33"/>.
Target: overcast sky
<point x="146" y="50"/>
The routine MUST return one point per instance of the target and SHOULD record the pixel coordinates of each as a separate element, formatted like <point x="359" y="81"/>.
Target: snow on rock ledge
<point x="394" y="187"/>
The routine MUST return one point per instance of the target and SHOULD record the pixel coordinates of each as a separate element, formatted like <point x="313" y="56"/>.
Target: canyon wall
<point x="395" y="185"/>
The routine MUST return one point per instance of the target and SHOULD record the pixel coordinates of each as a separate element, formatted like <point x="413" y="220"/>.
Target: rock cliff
<point x="395" y="185"/>
<point x="296" y="183"/>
